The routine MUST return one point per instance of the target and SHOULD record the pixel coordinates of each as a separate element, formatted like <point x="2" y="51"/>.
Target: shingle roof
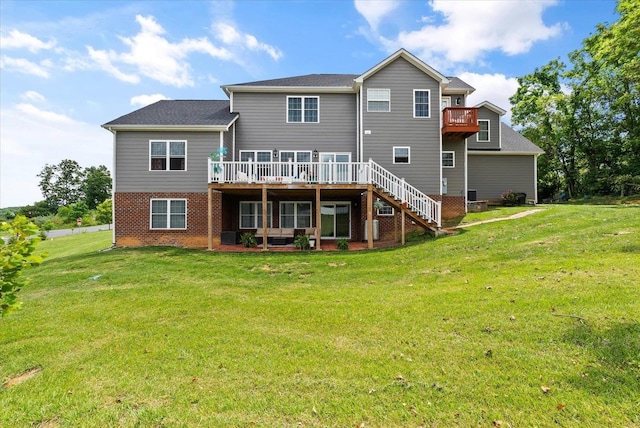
<point x="179" y="113"/>
<point x="314" y="80"/>
<point x="513" y="141"/>
<point x="457" y="84"/>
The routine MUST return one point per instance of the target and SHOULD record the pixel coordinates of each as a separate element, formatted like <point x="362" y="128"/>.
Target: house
<point x="335" y="156"/>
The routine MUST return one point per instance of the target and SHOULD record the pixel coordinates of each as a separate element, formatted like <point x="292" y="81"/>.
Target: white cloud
<point x="471" y="29"/>
<point x="18" y="40"/>
<point x="145" y="100"/>
<point x="22" y="65"/>
<point x="51" y="137"/>
<point x="152" y="55"/>
<point x="228" y="34"/>
<point x="495" y="88"/>
<point x="43" y="115"/>
<point x="374" y="10"/>
<point x="33" y="96"/>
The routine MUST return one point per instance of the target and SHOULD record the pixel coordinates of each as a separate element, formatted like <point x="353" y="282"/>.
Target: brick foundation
<point x="132" y="221"/>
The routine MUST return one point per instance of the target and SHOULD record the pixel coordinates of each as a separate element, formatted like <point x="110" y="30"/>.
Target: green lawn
<point x="532" y="322"/>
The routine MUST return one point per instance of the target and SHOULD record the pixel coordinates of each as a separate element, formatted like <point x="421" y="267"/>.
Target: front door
<point x="336" y="220"/>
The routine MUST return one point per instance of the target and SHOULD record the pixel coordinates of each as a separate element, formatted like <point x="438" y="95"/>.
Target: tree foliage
<point x="67" y="183"/>
<point x="104" y="213"/>
<point x="585" y="116"/>
<point x="16" y="254"/>
<point x="96" y="186"/>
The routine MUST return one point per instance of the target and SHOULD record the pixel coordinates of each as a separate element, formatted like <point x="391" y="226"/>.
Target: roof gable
<point x="494" y="108"/>
<point x="413" y="60"/>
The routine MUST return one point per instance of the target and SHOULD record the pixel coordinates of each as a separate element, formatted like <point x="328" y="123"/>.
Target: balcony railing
<point x="460" y="121"/>
<point x="251" y="172"/>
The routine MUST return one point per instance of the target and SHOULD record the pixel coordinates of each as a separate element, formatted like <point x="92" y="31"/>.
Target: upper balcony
<point x="459" y="122"/>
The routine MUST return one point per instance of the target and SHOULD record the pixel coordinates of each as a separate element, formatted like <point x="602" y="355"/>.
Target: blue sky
<point x="66" y="67"/>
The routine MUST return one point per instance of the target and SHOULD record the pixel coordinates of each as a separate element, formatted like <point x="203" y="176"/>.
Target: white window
<point x="295" y="214"/>
<point x="421" y="103"/>
<point x="168" y="213"/>
<point x="303" y="110"/>
<point x="385" y="209"/>
<point x="256" y="156"/>
<point x="295" y="156"/>
<point x="401" y="155"/>
<point x="168" y="155"/>
<point x="483" y="135"/>
<point x="448" y="159"/>
<point x="378" y="100"/>
<point x="251" y="215"/>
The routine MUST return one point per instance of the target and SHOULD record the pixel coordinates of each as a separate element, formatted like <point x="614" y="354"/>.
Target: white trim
<point x="466" y="173"/>
<point x="231" y="102"/>
<point x="494" y="108"/>
<point x="535" y="179"/>
<point x="428" y="91"/>
<point x="229" y="89"/>
<point x="453" y="158"/>
<point x="255" y="155"/>
<point x="361" y="127"/>
<point x="233" y="154"/>
<point x="488" y="140"/>
<point x="499" y="133"/>
<point x="500" y="153"/>
<point x="440" y="145"/>
<point x="193" y="128"/>
<point x="168" y="155"/>
<point x="302" y="97"/>
<point x="113" y="191"/>
<point x="379" y="100"/>
<point x="386" y="205"/>
<point x="393" y="154"/>
<point x="169" y="201"/>
<point x="416" y="62"/>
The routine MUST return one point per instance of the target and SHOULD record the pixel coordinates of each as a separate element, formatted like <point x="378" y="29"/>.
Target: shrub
<point x="248" y="240"/>
<point x="513" y="198"/>
<point x="302" y="242"/>
<point x="342" y="244"/>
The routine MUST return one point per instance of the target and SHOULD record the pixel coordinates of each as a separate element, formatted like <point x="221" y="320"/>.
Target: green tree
<point x="61" y="184"/>
<point x="96" y="185"/>
<point x="104" y="212"/>
<point x="16" y="254"/>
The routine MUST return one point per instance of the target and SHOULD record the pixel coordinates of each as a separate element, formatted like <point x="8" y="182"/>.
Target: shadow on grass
<point x="615" y="348"/>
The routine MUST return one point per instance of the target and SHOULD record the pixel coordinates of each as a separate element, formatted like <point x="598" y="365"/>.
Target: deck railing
<point x="327" y="173"/>
<point x="459" y="117"/>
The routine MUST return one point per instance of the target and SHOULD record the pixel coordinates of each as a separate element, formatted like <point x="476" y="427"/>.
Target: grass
<point x="465" y="330"/>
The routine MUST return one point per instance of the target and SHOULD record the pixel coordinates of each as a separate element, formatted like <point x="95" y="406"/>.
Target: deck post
<point x="264" y="217"/>
<point x="210" y="216"/>
<point x="318" y="218"/>
<point x="370" y="216"/>
<point x="403" y="224"/>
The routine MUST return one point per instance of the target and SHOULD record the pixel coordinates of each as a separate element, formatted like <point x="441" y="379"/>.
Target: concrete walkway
<point x="511" y="217"/>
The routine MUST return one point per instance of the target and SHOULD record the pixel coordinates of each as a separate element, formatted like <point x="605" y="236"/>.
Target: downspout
<point x="113" y="191"/>
<point x="361" y="118"/>
<point x="535" y="178"/>
<point x="440" y="136"/>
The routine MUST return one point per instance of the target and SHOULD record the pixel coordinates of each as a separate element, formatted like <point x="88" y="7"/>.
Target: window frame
<point x="168" y="214"/>
<point x="453" y="159"/>
<point x="408" y="162"/>
<point x="167" y="155"/>
<point x="428" y="91"/>
<point x="371" y="98"/>
<point x="255" y="155"/>
<point x="296" y="215"/>
<point x="379" y="212"/>
<point x="488" y="131"/>
<point x="303" y="108"/>
<point x="256" y="214"/>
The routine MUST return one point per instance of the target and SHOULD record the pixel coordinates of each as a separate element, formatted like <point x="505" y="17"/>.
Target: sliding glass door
<point x="336" y="220"/>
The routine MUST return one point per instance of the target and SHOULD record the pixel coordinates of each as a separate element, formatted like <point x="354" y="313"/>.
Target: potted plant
<point x="302" y="242"/>
<point x="248" y="240"/>
<point x="342" y="244"/>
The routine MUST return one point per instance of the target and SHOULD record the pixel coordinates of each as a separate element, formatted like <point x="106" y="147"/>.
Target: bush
<point x="248" y="240"/>
<point x="302" y="242"/>
<point x="342" y="244"/>
<point x="511" y="198"/>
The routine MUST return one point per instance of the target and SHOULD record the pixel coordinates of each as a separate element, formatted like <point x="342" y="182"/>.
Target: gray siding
<point x="494" y="131"/>
<point x="455" y="176"/>
<point x="493" y="175"/>
<point x="263" y="124"/>
<point x="132" y="162"/>
<point x="399" y="128"/>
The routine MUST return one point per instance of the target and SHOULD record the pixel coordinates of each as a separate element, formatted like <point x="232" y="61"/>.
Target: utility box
<point x="376" y="230"/>
<point x="472" y="195"/>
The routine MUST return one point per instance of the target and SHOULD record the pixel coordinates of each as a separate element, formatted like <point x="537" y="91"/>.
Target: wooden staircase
<point x="397" y="205"/>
